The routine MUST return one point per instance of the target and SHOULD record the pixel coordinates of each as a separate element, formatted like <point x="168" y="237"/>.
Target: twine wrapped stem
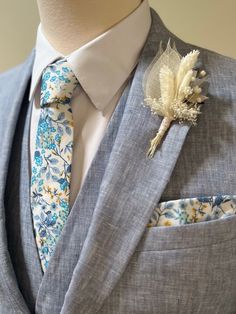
<point x="165" y="124"/>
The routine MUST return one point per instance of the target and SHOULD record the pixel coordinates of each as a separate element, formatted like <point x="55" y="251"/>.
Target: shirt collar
<point x="103" y="64"/>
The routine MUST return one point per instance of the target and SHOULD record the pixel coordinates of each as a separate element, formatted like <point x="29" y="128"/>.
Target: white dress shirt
<point x="102" y="67"/>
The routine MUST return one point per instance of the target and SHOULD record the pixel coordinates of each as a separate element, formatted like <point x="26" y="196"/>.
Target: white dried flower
<point x="203" y="73"/>
<point x="172" y="90"/>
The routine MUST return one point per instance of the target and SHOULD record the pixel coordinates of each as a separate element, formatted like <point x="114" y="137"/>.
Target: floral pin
<point x="172" y="90"/>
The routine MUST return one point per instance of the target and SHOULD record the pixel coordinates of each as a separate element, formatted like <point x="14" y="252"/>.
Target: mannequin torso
<point x="69" y="24"/>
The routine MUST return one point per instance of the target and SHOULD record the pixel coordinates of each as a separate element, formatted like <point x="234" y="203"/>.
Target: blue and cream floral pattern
<point x="51" y="168"/>
<point x="192" y="210"/>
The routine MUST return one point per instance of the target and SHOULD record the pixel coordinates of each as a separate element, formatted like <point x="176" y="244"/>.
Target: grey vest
<point x="106" y="261"/>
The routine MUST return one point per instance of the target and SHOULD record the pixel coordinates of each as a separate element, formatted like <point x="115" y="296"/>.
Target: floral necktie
<point x="51" y="165"/>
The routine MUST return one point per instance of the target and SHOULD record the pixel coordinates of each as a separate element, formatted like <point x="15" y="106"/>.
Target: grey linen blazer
<point x="106" y="260"/>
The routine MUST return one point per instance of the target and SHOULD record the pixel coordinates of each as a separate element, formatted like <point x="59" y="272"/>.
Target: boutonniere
<point x="172" y="89"/>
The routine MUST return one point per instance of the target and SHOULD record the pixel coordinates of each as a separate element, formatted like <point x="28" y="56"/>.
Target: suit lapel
<point x="11" y="99"/>
<point x="131" y="187"/>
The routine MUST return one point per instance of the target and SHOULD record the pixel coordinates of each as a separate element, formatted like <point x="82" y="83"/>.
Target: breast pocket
<point x="191" y="222"/>
<point x="188" y="268"/>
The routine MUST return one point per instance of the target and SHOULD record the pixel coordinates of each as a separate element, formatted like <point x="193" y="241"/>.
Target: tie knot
<point x="58" y="83"/>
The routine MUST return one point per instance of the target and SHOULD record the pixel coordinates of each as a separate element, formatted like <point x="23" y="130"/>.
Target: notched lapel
<point x="131" y="187"/>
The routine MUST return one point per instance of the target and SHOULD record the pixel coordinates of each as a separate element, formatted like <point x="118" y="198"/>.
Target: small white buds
<point x="202" y="73"/>
<point x="197" y="89"/>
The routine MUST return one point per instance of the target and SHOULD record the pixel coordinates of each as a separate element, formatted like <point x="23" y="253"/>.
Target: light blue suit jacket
<point x="106" y="260"/>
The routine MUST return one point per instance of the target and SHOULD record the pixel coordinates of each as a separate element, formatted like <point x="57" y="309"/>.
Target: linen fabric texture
<point x="106" y="259"/>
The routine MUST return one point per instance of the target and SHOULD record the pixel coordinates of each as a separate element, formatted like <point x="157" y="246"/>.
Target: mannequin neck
<point x="69" y="24"/>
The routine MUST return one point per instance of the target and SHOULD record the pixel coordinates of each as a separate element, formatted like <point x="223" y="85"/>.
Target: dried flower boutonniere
<point x="172" y="88"/>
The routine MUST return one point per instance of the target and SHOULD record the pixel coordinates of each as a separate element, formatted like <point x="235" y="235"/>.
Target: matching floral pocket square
<point x="192" y="210"/>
